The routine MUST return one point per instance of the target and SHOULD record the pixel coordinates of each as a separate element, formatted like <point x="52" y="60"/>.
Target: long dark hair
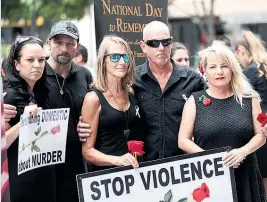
<point x="40" y="89"/>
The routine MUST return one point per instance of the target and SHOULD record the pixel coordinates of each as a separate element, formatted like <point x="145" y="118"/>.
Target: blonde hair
<point x="255" y="48"/>
<point x="101" y="71"/>
<point x="239" y="83"/>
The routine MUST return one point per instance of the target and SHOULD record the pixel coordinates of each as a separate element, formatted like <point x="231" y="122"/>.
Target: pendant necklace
<point x="126" y="114"/>
<point x="60" y="87"/>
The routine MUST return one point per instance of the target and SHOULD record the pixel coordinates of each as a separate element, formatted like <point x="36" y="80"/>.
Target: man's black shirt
<point x="76" y="85"/>
<point x="162" y="111"/>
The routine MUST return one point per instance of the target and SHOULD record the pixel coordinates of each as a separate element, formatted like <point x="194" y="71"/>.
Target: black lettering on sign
<point x="207" y="173"/>
<point x="43" y="158"/>
<point x="94" y="189"/>
<point x="146" y="180"/>
<point x="196" y="170"/>
<point x="24" y="165"/>
<point x="47" y="157"/>
<point x="129" y="181"/>
<point x="184" y="171"/>
<point x="218" y="163"/>
<point x="174" y="180"/>
<point x="105" y="183"/>
<point x="155" y="179"/>
<point x="65" y="114"/>
<point x="118" y="190"/>
<point x="59" y="155"/>
<point x="164" y="171"/>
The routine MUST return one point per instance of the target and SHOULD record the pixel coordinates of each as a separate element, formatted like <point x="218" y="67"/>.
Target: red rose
<point x="201" y="193"/>
<point x="136" y="147"/>
<point x="55" y="130"/>
<point x="262" y="119"/>
<point x="206" y="101"/>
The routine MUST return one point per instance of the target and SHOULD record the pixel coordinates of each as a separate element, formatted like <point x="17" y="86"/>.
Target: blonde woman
<point x="110" y="108"/>
<point x="252" y="56"/>
<point x="225" y="115"/>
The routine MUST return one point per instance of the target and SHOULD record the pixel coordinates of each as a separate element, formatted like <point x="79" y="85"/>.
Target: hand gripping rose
<point x="136" y="148"/>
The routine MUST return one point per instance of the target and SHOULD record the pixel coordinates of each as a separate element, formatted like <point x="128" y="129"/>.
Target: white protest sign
<point x="199" y="177"/>
<point x="42" y="139"/>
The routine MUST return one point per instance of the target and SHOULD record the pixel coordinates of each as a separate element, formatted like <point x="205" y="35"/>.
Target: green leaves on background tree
<point x="51" y="9"/>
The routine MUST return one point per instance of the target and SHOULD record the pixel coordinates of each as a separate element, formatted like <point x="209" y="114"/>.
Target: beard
<point x="63" y="59"/>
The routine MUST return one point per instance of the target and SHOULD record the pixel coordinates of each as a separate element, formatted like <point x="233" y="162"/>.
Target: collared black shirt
<point x="162" y="111"/>
<point x="76" y="85"/>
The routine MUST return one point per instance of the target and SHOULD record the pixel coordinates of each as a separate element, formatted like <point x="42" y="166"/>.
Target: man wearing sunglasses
<point x="162" y="88"/>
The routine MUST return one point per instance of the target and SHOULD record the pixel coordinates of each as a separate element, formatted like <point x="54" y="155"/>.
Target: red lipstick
<point x="220" y="78"/>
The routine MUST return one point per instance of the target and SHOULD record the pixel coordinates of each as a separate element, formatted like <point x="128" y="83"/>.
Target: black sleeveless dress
<point x="111" y="139"/>
<point x="225" y="123"/>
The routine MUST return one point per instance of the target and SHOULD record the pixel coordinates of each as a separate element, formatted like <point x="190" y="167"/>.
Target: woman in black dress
<point x="110" y="108"/>
<point x="225" y="115"/>
<point x="26" y="83"/>
<point x="251" y="54"/>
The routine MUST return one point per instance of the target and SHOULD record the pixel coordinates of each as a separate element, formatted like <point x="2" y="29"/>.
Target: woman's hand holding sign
<point x="13" y="132"/>
<point x="31" y="110"/>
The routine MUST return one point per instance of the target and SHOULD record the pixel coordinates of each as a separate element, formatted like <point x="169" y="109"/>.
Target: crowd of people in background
<point x="159" y="102"/>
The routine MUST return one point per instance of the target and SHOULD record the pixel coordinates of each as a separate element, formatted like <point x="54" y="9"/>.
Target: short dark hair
<point x="83" y="52"/>
<point x="15" y="80"/>
<point x="223" y="38"/>
<point x="177" y="46"/>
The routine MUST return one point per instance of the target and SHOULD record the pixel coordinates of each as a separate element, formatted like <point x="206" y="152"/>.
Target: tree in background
<point x="52" y="9"/>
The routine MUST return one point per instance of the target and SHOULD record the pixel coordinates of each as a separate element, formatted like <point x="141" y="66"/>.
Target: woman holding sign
<point x="110" y="108"/>
<point x="225" y="115"/>
<point x="26" y="84"/>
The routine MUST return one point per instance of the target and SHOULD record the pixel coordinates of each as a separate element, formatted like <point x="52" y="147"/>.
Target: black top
<point x="77" y="83"/>
<point x="225" y="123"/>
<point x="258" y="82"/>
<point x="161" y="112"/>
<point x="111" y="139"/>
<point x="34" y="185"/>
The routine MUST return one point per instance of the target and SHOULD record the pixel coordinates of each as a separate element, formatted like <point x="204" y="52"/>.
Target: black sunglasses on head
<point x="22" y="39"/>
<point x="154" y="43"/>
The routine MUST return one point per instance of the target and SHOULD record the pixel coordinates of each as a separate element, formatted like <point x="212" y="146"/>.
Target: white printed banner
<point x="199" y="177"/>
<point x="42" y="139"/>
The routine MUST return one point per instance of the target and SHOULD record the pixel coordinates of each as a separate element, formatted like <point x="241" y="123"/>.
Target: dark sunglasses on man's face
<point x="115" y="57"/>
<point x="154" y="43"/>
<point x="22" y="39"/>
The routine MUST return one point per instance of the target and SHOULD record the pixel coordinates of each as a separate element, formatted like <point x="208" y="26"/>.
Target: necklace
<point x="60" y="87"/>
<point x="127" y="131"/>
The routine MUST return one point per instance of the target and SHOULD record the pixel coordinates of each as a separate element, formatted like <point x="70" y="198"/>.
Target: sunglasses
<point x="154" y="43"/>
<point x="115" y="57"/>
<point x="22" y="39"/>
